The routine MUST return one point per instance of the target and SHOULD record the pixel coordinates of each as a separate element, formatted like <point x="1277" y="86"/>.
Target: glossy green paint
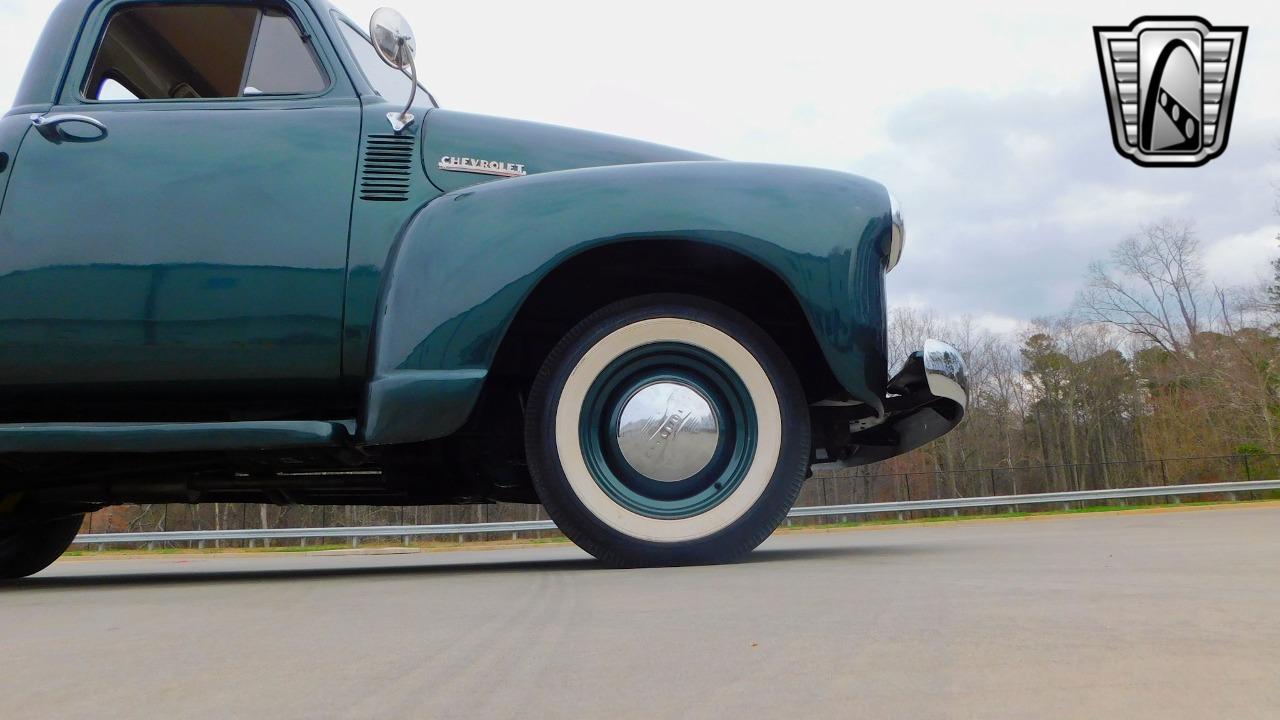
<point x="199" y="243"/>
<point x="375" y="226"/>
<point x="468" y="260"/>
<point x="374" y="229"/>
<point x="11" y="131"/>
<point x="221" y="247"/>
<point x="177" y="262"/>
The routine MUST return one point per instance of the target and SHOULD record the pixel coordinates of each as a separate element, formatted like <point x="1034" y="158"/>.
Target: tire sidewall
<point x="607" y="542"/>
<point x="31" y="549"/>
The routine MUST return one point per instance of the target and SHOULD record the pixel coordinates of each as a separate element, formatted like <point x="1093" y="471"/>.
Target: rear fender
<point x="465" y="263"/>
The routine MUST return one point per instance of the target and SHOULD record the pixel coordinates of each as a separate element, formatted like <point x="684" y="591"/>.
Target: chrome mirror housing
<point x="394" y="42"/>
<point x="392" y="38"/>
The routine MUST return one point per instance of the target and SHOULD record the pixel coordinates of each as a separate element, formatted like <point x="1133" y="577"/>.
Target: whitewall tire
<point x="667" y="429"/>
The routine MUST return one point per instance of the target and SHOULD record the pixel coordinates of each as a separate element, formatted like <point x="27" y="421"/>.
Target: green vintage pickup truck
<point x="246" y="257"/>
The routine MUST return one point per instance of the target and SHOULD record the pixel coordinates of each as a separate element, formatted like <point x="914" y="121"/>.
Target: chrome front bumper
<point x="927" y="396"/>
<point x="944" y="371"/>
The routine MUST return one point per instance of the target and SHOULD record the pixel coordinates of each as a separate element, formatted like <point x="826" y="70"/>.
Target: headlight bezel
<point x="898" y="233"/>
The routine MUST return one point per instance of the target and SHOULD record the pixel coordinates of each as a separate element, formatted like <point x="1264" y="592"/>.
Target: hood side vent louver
<point x="388" y="163"/>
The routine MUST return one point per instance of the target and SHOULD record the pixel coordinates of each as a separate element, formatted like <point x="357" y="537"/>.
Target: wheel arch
<point x="631" y="267"/>
<point x="479" y="269"/>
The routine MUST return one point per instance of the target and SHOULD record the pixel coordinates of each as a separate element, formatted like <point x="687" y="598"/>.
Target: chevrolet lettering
<point x="483" y="167"/>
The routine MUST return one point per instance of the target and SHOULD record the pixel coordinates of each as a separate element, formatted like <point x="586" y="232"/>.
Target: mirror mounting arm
<point x="413" y="70"/>
<point x="401" y="120"/>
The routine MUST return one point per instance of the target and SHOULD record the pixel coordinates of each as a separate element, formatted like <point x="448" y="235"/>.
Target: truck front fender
<point x="465" y="263"/>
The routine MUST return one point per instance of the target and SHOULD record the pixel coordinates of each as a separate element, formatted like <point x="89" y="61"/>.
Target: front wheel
<point x="667" y="430"/>
<point x="28" y="550"/>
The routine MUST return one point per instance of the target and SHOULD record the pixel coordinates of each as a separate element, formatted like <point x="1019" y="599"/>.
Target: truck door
<point x="178" y="223"/>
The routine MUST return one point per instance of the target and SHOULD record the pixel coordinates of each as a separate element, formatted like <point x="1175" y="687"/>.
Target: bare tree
<point x="1153" y="286"/>
<point x="1273" y="290"/>
<point x="1250" y="386"/>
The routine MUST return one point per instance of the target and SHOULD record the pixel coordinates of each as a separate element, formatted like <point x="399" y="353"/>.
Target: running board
<point x="174" y="437"/>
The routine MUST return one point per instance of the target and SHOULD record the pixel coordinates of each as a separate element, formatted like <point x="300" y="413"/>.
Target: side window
<point x="111" y="89"/>
<point x="162" y="52"/>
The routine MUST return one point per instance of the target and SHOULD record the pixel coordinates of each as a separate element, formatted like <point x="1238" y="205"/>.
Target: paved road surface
<point x="1168" y="615"/>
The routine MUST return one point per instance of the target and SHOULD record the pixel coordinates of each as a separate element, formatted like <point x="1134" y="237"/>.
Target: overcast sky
<point x="988" y="122"/>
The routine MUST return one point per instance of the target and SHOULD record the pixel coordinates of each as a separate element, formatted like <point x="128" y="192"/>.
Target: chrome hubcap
<point x="667" y="431"/>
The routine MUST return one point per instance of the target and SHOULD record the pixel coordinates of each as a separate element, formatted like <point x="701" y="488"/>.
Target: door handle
<point x="50" y="126"/>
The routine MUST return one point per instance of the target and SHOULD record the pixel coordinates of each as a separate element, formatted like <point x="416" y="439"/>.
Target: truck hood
<point x="479" y="148"/>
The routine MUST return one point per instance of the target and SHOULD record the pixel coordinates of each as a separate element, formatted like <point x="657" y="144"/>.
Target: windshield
<point x="389" y="82"/>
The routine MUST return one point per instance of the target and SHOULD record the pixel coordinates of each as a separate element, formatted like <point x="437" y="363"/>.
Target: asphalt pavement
<point x="1117" y="615"/>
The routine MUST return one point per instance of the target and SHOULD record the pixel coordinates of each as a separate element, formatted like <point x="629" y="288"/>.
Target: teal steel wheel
<point x="668" y="430"/>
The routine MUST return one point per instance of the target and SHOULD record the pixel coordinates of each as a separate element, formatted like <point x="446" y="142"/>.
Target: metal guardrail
<point x="1036" y="498"/>
<point x="815" y="511"/>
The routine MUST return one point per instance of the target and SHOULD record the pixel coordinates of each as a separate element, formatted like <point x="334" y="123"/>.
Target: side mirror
<point x="393" y="40"/>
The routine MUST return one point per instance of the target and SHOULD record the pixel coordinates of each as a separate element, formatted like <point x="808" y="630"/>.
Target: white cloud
<point x="1102" y="205"/>
<point x="999" y="324"/>
<point x="1242" y="258"/>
